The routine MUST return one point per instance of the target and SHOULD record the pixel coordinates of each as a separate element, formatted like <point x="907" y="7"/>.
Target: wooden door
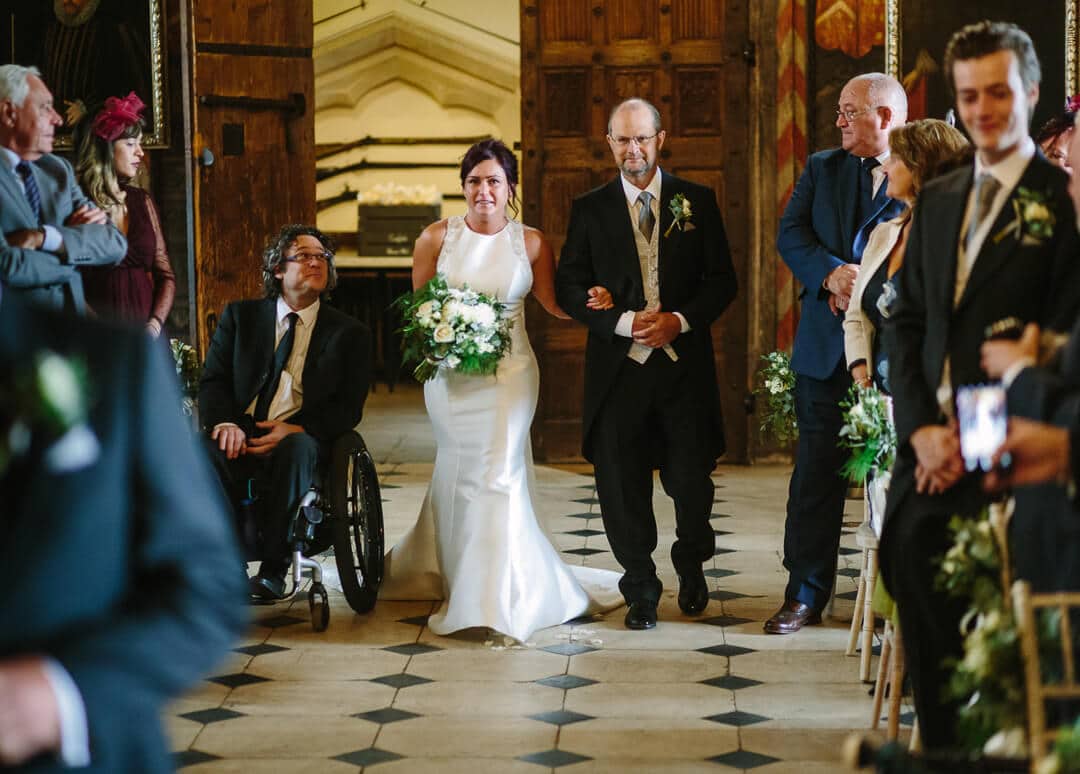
<point x="691" y="59"/>
<point x="254" y="143"/>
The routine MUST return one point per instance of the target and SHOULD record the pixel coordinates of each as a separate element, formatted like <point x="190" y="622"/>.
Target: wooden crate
<point x="392" y="230"/>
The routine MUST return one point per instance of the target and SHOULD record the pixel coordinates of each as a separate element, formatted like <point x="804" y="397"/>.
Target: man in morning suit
<point x="49" y="226"/>
<point x="838" y="200"/>
<point x="285" y="376"/>
<point x="977" y="254"/>
<point x="123" y="587"/>
<point x="651" y="395"/>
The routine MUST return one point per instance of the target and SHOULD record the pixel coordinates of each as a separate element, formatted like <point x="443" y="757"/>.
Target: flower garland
<point x="776" y="382"/>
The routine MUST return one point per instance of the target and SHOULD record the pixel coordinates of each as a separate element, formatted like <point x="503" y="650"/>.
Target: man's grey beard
<point x="644" y="172"/>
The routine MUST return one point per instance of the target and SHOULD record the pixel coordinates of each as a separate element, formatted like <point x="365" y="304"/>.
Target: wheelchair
<point x="344" y="511"/>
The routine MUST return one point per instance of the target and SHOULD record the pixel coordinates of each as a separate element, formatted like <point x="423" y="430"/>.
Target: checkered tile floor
<point x="381" y="693"/>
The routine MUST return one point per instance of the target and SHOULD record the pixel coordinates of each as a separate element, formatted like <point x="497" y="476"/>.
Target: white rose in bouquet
<point x="444" y="333"/>
<point x="425" y="313"/>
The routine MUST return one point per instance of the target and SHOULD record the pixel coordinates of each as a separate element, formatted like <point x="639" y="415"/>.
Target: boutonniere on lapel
<point x="44" y="405"/>
<point x="1034" y="221"/>
<point x="680" y="208"/>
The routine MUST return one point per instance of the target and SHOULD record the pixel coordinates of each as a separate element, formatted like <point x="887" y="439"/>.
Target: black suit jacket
<point x="336" y="371"/>
<point x="697" y="279"/>
<point x="1032" y="282"/>
<point x="124" y="570"/>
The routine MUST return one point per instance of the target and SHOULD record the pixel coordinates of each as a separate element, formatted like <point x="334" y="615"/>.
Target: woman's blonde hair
<point x="94" y="165"/>
<point x="928" y="147"/>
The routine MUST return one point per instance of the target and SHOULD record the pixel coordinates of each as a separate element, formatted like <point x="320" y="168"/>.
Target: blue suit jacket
<point x="817" y="232"/>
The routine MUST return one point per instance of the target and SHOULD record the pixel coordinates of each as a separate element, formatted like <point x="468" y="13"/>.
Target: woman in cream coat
<point x="919" y="151"/>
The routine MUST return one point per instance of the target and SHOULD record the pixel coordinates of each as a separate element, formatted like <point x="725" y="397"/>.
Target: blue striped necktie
<point x="33" y="193"/>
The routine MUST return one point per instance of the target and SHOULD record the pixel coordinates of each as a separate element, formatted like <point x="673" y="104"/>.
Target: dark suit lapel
<point x="320" y="335"/>
<point x="847" y="200"/>
<point x="14" y="195"/>
<point x="621" y="231"/>
<point x="262" y="358"/>
<point x="993" y="254"/>
<point x="950" y="219"/>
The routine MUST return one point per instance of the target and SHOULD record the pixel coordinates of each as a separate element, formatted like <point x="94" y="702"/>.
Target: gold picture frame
<point x="116" y="45"/>
<point x="1043" y="36"/>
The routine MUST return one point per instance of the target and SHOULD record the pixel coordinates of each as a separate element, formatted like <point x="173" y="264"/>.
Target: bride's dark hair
<point x="494" y="150"/>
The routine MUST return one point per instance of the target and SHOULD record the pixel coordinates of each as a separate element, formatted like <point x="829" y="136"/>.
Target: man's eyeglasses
<point x="640" y="140"/>
<point x="851" y="115"/>
<point x="308" y="257"/>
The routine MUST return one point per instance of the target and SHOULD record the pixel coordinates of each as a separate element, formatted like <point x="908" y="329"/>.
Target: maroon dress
<point x="142" y="286"/>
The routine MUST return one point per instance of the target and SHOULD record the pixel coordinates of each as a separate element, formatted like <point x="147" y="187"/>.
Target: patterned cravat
<point x="646" y="220"/>
<point x="281" y="357"/>
<point x="986" y="188"/>
<point x="33" y="193"/>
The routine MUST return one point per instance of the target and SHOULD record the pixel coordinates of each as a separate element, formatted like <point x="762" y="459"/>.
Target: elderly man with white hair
<point x="49" y="226"/>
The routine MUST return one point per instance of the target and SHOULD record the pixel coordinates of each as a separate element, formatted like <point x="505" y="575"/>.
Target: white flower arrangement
<point x="776" y="383"/>
<point x="453" y="328"/>
<point x="396" y="195"/>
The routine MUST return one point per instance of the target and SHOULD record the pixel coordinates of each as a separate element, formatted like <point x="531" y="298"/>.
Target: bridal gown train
<point x="478" y="544"/>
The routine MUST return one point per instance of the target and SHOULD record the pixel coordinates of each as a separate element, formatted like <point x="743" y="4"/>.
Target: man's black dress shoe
<point x="792" y="616"/>
<point x="641" y="615"/>
<point x="693" y="591"/>
<point x="267" y="588"/>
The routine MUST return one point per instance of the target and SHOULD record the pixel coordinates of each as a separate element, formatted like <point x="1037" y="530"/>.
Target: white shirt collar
<point x="633" y="192"/>
<point x="1010" y="169"/>
<point x="12" y="157"/>
<point x="307" y="315"/>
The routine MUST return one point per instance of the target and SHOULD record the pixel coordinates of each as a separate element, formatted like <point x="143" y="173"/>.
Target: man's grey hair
<point x="15" y="84"/>
<point x="885" y="91"/>
<point x="635" y="102"/>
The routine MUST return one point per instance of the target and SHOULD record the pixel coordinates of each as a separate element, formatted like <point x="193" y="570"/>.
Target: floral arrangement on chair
<point x="776" y="382"/>
<point x="453" y="328"/>
<point x="188" y="371"/>
<point x="868" y="433"/>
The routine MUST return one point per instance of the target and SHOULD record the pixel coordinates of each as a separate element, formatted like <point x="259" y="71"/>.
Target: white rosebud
<point x="1035" y="211"/>
<point x="686" y="208"/>
<point x="444" y="333"/>
<point x="60" y="387"/>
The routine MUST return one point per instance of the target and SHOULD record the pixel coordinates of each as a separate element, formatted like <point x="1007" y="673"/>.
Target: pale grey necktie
<point x="986" y="188"/>
<point x="646" y="220"/>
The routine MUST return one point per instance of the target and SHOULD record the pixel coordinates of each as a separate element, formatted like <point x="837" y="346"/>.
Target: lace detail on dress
<point x="517" y="239"/>
<point x="455" y="224"/>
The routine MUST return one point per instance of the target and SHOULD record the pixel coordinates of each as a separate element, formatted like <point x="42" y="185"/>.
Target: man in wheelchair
<point x="284" y="377"/>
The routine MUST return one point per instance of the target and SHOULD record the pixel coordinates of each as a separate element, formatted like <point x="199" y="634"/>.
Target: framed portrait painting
<point x="917" y="31"/>
<point x="89" y="50"/>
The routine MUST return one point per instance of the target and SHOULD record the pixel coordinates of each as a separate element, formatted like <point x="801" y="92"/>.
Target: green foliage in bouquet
<point x="776" y="382"/>
<point x="868" y="433"/>
<point x="1065" y="758"/>
<point x="454" y="328"/>
<point x="188" y="371"/>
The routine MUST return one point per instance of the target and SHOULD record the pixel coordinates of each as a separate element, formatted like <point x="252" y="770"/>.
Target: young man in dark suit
<point x="651" y="396"/>
<point x="284" y="377"/>
<point x="837" y="202"/>
<point x="123" y="587"/>
<point x="49" y="226"/>
<point x="991" y="241"/>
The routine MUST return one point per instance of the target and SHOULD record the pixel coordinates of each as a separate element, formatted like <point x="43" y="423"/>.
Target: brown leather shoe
<point x="791" y="617"/>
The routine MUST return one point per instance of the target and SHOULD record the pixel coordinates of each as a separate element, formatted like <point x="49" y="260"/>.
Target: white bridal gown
<point x="477" y="544"/>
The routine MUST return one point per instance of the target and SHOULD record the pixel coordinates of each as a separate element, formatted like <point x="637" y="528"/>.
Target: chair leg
<point x="896" y="686"/>
<point x="882" y="673"/>
<point x="856" y="617"/>
<point x="868" y="615"/>
<point x="915" y="745"/>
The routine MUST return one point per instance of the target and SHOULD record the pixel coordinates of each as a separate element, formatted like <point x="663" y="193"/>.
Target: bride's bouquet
<point x="454" y="328"/>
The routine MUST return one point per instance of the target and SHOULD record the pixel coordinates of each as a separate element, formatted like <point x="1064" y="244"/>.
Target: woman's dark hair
<point x="1055" y="127"/>
<point x="975" y="41"/>
<point x="274" y="257"/>
<point x="94" y="165"/>
<point x="493" y="150"/>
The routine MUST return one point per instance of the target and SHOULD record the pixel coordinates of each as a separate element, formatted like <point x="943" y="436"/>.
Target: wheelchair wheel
<point x="319" y="605"/>
<point x="356" y="514"/>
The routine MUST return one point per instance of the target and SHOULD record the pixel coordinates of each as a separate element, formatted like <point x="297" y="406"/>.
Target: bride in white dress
<point x="478" y="544"/>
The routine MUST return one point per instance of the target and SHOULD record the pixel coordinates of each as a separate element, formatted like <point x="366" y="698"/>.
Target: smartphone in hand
<point x="981" y="413"/>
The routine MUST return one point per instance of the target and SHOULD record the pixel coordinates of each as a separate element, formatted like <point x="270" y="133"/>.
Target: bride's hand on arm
<point x="543" y="266"/>
<point x="599" y="298"/>
<point x="426" y="253"/>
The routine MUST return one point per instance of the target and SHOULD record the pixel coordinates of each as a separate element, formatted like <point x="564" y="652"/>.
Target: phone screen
<point x="980" y="410"/>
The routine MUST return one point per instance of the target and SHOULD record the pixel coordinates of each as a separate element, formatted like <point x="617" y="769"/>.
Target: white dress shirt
<point x="54" y="240"/>
<point x="878" y="173"/>
<point x="289" y="397"/>
<point x="625" y="325"/>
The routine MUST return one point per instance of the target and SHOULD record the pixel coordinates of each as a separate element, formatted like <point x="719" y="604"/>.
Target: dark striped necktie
<point x="33" y="193"/>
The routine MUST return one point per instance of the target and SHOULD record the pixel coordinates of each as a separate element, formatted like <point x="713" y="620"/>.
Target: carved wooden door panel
<point x="253" y="100"/>
<point x="579" y="58"/>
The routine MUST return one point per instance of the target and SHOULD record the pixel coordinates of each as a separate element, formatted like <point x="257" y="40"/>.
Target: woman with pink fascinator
<point x="1056" y="135"/>
<point x="139" y="289"/>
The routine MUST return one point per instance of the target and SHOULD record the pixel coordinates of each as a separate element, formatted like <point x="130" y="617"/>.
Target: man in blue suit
<point x="838" y="200"/>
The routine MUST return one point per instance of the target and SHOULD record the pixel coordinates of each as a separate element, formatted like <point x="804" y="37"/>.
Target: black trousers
<point x="815" y="507"/>
<point x="652" y="419"/>
<point x="281" y="480"/>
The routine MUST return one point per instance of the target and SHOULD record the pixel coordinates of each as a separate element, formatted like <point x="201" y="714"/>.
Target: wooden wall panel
<point x="578" y="60"/>
<point x="254" y="22"/>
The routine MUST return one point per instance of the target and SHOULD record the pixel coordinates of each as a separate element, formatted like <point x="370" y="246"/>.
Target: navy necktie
<point x="865" y="222"/>
<point x="33" y="193"/>
<point x="281" y="357"/>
